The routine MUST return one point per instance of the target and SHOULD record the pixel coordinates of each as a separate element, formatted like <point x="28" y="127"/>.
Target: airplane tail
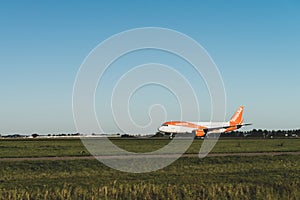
<point x="237" y="118"/>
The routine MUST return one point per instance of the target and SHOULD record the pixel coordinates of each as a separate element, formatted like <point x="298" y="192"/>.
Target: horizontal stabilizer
<point x="241" y="125"/>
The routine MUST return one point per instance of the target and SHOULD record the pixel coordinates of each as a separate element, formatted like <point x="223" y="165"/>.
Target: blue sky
<point x="255" y="44"/>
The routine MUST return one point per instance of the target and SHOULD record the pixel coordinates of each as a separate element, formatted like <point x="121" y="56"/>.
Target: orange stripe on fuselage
<point x="185" y="124"/>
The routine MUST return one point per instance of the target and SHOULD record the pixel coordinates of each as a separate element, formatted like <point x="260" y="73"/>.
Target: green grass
<point x="40" y="147"/>
<point x="222" y="146"/>
<point x="74" y="147"/>
<point x="235" y="177"/>
<point x="251" y="145"/>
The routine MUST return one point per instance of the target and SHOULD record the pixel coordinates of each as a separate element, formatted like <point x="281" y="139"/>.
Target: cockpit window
<point x="164" y="125"/>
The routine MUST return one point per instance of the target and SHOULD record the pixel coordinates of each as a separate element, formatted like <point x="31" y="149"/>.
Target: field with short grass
<point x="230" y="177"/>
<point x="74" y="147"/>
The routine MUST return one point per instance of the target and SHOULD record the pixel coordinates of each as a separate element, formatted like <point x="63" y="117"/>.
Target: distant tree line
<point x="258" y="133"/>
<point x="263" y="133"/>
<point x="34" y="135"/>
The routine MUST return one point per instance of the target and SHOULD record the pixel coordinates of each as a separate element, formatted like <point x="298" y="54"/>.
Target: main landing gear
<point x="172" y="135"/>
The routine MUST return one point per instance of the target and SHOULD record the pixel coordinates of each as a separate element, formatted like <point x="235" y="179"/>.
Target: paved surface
<point x="149" y="156"/>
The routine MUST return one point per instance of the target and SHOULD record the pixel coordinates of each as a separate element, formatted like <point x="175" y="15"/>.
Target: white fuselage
<point x="187" y="129"/>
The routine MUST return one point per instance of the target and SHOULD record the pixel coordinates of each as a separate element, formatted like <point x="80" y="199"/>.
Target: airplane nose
<point x="160" y="129"/>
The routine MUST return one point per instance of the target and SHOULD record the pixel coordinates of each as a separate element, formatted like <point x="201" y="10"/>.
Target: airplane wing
<point x="225" y="127"/>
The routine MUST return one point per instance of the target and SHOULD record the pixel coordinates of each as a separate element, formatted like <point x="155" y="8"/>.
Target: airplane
<point x="201" y="129"/>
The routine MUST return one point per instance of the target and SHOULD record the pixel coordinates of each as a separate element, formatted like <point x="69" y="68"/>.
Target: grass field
<point x="262" y="177"/>
<point x="74" y="147"/>
<point x="232" y="177"/>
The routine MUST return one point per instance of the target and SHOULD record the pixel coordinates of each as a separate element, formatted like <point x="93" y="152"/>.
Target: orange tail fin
<point x="237" y="117"/>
